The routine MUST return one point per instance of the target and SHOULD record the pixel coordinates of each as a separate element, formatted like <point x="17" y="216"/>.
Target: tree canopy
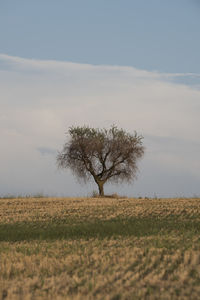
<point x="102" y="154"/>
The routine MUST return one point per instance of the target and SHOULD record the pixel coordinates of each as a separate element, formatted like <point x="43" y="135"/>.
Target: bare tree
<point x="105" y="155"/>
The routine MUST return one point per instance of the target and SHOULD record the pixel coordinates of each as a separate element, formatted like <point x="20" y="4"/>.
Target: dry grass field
<point x="96" y="248"/>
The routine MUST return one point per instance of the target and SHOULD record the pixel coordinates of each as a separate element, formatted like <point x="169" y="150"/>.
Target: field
<point x="95" y="248"/>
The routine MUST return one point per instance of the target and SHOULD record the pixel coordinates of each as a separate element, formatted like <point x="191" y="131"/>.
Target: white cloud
<point x="40" y="99"/>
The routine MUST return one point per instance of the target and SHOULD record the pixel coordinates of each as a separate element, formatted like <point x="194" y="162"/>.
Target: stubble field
<point x="97" y="248"/>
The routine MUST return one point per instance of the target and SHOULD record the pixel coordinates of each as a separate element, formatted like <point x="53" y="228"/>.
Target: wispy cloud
<point x="47" y="151"/>
<point x="41" y="99"/>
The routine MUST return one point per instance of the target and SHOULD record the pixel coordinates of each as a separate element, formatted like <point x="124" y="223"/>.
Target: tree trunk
<point x="100" y="186"/>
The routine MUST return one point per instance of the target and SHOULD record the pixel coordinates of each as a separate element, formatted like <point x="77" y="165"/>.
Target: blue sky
<point x="130" y="63"/>
<point x="151" y="35"/>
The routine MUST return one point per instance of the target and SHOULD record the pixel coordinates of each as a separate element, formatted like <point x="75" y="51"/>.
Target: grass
<point x="122" y="248"/>
<point x="114" y="228"/>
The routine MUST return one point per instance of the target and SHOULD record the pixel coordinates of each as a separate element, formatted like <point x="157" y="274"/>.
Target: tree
<point x="104" y="154"/>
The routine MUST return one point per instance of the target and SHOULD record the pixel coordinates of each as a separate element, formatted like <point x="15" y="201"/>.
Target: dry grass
<point x="47" y="209"/>
<point x="155" y="264"/>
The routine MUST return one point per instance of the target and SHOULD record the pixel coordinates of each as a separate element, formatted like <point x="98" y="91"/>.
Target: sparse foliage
<point x="104" y="154"/>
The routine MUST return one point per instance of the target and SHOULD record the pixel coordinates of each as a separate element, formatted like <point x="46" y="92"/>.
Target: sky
<point x="130" y="63"/>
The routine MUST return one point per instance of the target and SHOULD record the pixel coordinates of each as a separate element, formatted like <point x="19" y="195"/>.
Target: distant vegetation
<point x="24" y="196"/>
